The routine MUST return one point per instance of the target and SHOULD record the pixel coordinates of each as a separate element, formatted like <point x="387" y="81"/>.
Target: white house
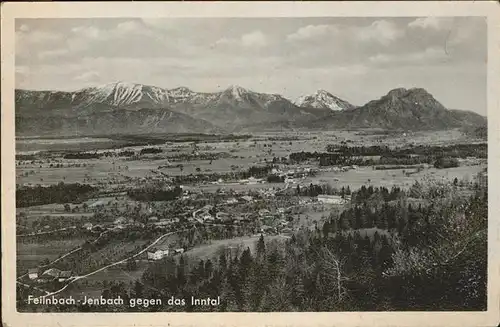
<point x="51" y="273"/>
<point x="331" y="199"/>
<point x="120" y="220"/>
<point x="207" y="216"/>
<point x="157" y="254"/>
<point x="231" y="201"/>
<point x="33" y="273"/>
<point x="64" y="275"/>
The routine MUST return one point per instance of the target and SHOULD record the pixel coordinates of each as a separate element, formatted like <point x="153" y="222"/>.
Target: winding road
<point x="113" y="264"/>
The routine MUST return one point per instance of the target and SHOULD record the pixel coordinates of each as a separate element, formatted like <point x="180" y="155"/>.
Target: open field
<point x="209" y="251"/>
<point x="388" y="178"/>
<point x="31" y="255"/>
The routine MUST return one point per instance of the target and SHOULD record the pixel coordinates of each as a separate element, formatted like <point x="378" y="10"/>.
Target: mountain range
<point x="135" y="108"/>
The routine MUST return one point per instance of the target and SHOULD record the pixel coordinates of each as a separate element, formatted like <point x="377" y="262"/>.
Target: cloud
<point x="36" y="37"/>
<point x="51" y="54"/>
<point x="88" y="32"/>
<point x="381" y="31"/>
<point x="27" y="40"/>
<point x="343" y="70"/>
<point x="255" y="39"/>
<point x="91" y="76"/>
<point x="311" y="32"/>
<point x="432" y="23"/>
<point x="121" y="30"/>
<point x="427" y="56"/>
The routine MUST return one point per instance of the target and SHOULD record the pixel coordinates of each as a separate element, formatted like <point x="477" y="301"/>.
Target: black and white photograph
<point x="251" y="164"/>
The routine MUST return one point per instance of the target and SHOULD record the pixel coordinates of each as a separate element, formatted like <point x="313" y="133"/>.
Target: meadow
<point x="32" y="254"/>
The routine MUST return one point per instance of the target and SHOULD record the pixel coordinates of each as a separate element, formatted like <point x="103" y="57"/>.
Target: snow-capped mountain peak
<point x="236" y="91"/>
<point x="180" y="92"/>
<point x="322" y="99"/>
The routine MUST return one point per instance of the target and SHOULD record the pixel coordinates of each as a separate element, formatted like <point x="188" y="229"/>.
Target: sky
<point x="355" y="58"/>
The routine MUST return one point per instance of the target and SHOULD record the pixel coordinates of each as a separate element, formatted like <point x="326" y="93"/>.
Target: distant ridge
<point x="136" y="108"/>
<point x="322" y="99"/>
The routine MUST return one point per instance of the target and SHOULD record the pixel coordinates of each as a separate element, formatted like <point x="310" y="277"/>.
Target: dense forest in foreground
<point x="373" y="257"/>
<point x="419" y="249"/>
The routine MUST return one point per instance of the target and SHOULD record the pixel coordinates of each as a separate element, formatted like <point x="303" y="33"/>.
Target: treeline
<point x="314" y="190"/>
<point x="150" y="194"/>
<point x="275" y="179"/>
<point x="365" y="193"/>
<point x="443" y="162"/>
<point x="82" y="155"/>
<point x="150" y="151"/>
<point x="329" y="159"/>
<point x="454" y="151"/>
<point x="340" y="159"/>
<point x="126" y="153"/>
<point x="254" y="171"/>
<point x="200" y="156"/>
<point x="394" y="218"/>
<point x="61" y="193"/>
<point x="28" y="157"/>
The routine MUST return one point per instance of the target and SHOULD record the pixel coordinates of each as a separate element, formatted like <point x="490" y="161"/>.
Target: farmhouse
<point x="64" y="275"/>
<point x="247" y="198"/>
<point x="97" y="203"/>
<point x="120" y="220"/>
<point x="88" y="226"/>
<point x="253" y="180"/>
<point x="49" y="275"/>
<point x="207" y="217"/>
<point x="155" y="254"/>
<point x="223" y="216"/>
<point x="33" y="273"/>
<point x="231" y="201"/>
<point x="331" y="199"/>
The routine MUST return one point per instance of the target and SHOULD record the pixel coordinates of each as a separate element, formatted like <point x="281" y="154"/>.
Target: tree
<point x="261" y="247"/>
<point x="332" y="270"/>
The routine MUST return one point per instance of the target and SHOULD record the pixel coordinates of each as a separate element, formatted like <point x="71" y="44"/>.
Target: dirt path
<point x="65" y="255"/>
<point x="47" y="232"/>
<point x="113" y="264"/>
<point x="33" y="287"/>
